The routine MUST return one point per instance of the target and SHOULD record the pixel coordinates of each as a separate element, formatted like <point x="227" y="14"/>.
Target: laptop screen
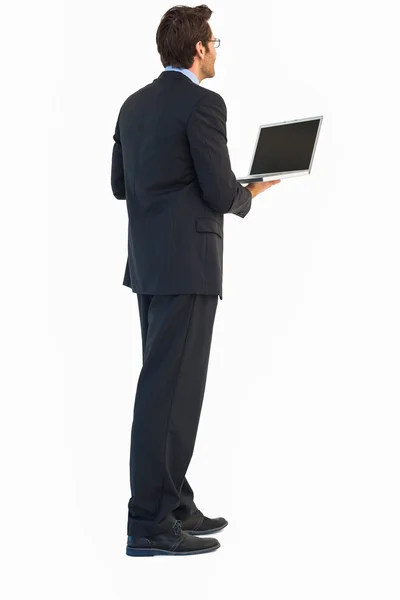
<point x="285" y="147"/>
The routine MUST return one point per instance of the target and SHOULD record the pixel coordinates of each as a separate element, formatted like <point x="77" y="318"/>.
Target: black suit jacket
<point x="170" y="162"/>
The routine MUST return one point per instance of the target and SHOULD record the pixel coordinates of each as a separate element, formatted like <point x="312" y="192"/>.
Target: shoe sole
<point x="206" y="532"/>
<point x="156" y="551"/>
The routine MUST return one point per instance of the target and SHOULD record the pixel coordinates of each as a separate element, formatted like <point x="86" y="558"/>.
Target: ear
<point x="199" y="47"/>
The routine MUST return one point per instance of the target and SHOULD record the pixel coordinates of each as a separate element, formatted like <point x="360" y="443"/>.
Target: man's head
<point x="185" y="40"/>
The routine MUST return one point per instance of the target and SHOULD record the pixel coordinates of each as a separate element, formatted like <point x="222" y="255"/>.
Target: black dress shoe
<point x="174" y="542"/>
<point x="198" y="524"/>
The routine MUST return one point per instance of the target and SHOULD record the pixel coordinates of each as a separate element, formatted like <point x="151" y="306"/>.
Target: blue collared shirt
<point x="186" y="72"/>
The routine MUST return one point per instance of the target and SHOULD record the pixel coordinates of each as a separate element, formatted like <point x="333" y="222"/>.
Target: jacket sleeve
<point x="206" y="132"/>
<point x="117" y="167"/>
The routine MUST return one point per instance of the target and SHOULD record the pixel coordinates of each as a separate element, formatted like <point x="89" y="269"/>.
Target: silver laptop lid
<point x="288" y="146"/>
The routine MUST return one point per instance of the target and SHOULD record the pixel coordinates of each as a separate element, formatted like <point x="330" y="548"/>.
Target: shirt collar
<point x="186" y="72"/>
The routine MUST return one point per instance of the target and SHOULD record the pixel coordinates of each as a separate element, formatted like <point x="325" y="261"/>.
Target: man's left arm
<point x="117" y="167"/>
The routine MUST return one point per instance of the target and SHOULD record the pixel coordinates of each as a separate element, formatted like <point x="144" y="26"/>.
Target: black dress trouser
<point x="176" y="340"/>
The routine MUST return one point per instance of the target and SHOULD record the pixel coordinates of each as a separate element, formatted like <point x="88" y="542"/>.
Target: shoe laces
<point x="177" y="528"/>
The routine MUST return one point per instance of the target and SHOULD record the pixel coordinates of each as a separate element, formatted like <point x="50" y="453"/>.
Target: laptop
<point x="284" y="149"/>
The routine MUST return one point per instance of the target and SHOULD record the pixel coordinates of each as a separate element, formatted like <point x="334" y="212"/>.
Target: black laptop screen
<point x="286" y="147"/>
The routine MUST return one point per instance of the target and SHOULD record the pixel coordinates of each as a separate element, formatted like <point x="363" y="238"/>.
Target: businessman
<point x="170" y="163"/>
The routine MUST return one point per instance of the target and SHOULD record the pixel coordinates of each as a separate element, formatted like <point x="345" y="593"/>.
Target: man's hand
<point x="260" y="186"/>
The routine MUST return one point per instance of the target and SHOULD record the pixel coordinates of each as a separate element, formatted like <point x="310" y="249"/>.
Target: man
<point x="170" y="162"/>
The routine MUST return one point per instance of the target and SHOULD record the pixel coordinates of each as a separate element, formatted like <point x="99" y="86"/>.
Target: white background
<point x="298" y="443"/>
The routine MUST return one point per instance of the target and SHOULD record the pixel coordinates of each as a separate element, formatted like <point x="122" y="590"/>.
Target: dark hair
<point x="178" y="33"/>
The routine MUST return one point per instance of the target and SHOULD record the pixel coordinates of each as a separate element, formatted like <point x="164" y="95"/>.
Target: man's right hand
<point x="260" y="186"/>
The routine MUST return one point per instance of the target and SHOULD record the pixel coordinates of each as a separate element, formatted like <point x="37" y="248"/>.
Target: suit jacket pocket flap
<point x="208" y="224"/>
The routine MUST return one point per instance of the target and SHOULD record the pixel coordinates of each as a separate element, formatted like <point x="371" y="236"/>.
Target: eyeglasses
<point x="216" y="42"/>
